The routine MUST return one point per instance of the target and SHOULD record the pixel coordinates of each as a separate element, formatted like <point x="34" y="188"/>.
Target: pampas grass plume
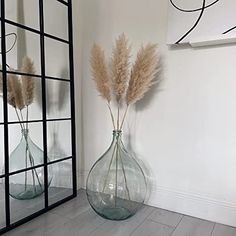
<point x="15" y="97"/>
<point x="28" y="81"/>
<point x="143" y="73"/>
<point x="120" y="66"/>
<point x="100" y="72"/>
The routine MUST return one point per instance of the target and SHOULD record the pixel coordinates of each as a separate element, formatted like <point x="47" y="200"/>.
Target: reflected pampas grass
<point x="15" y="92"/>
<point x="20" y="89"/>
<point x="28" y="81"/>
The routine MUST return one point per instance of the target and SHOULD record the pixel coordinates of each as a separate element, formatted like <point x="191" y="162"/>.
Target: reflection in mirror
<point x="26" y="148"/>
<point x="20" y="44"/>
<point x="1" y="109"/>
<point x="2" y="204"/>
<point x="20" y="209"/>
<point x="57" y="58"/>
<point x="2" y="167"/>
<point x="1" y="44"/>
<point x="56" y="19"/>
<point x="61" y="185"/>
<point x="25" y="12"/>
<point x="59" y="139"/>
<point x="1" y="99"/>
<point x="29" y="90"/>
<point x="58" y="99"/>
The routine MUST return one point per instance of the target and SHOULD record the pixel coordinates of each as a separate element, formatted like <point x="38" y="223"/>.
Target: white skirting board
<point x="190" y="204"/>
<point x="194" y="205"/>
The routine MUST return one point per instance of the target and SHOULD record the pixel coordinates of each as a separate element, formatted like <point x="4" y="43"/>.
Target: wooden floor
<point x="76" y="218"/>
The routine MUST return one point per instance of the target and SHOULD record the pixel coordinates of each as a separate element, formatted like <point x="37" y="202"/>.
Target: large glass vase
<point x="116" y="185"/>
<point x="28" y="184"/>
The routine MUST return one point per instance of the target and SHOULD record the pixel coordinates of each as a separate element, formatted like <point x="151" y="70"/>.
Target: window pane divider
<point x="34" y="121"/>
<point x="36" y="76"/>
<point x="33" y="30"/>
<point x="38" y="166"/>
<point x="63" y="2"/>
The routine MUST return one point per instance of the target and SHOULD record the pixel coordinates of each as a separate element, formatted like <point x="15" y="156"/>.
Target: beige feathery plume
<point x="120" y="66"/>
<point x="15" y="97"/>
<point x="100" y="72"/>
<point x="143" y="73"/>
<point x="28" y="81"/>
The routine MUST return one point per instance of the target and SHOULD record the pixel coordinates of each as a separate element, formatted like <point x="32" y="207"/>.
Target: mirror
<point x="38" y="109"/>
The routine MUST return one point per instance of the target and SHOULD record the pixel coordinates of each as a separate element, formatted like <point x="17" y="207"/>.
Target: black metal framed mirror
<point x="37" y="116"/>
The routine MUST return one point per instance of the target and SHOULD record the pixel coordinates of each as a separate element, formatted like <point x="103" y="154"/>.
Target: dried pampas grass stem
<point x="112" y="116"/>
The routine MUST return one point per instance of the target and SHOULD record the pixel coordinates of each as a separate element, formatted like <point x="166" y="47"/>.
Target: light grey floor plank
<point x="222" y="230"/>
<point x="190" y="226"/>
<point x="39" y="225"/>
<point x="165" y="217"/>
<point x="82" y="225"/>
<point x="151" y="228"/>
<point x="74" y="207"/>
<point x="76" y="218"/>
<point x="123" y="228"/>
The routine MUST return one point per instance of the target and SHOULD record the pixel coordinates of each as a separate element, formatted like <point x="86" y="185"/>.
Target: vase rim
<point x="24" y="131"/>
<point x="117" y="131"/>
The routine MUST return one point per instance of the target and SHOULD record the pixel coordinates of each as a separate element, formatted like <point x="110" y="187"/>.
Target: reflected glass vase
<point x="28" y="184"/>
<point x="116" y="185"/>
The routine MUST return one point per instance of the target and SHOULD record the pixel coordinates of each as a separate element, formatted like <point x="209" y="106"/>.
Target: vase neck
<point x="25" y="132"/>
<point x="117" y="136"/>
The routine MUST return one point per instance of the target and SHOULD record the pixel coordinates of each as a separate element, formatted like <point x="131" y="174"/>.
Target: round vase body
<point x="28" y="184"/>
<point x="116" y="185"/>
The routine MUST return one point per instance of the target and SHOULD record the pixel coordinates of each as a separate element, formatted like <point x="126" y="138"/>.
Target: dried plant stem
<point x="27" y="116"/>
<point x="112" y="116"/>
<point x="19" y="119"/>
<point x="31" y="159"/>
<point x="26" y="168"/>
<point x="123" y="170"/>
<point x="105" y="183"/>
<point x="117" y="155"/>
<point x="123" y="120"/>
<point x="31" y="162"/>
<point x="22" y="119"/>
<point x="118" y="115"/>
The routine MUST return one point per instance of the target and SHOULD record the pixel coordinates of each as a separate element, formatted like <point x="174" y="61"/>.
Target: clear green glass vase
<point x="116" y="185"/>
<point x="28" y="184"/>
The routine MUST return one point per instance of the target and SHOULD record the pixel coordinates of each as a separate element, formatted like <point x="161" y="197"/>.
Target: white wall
<point x="186" y="132"/>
